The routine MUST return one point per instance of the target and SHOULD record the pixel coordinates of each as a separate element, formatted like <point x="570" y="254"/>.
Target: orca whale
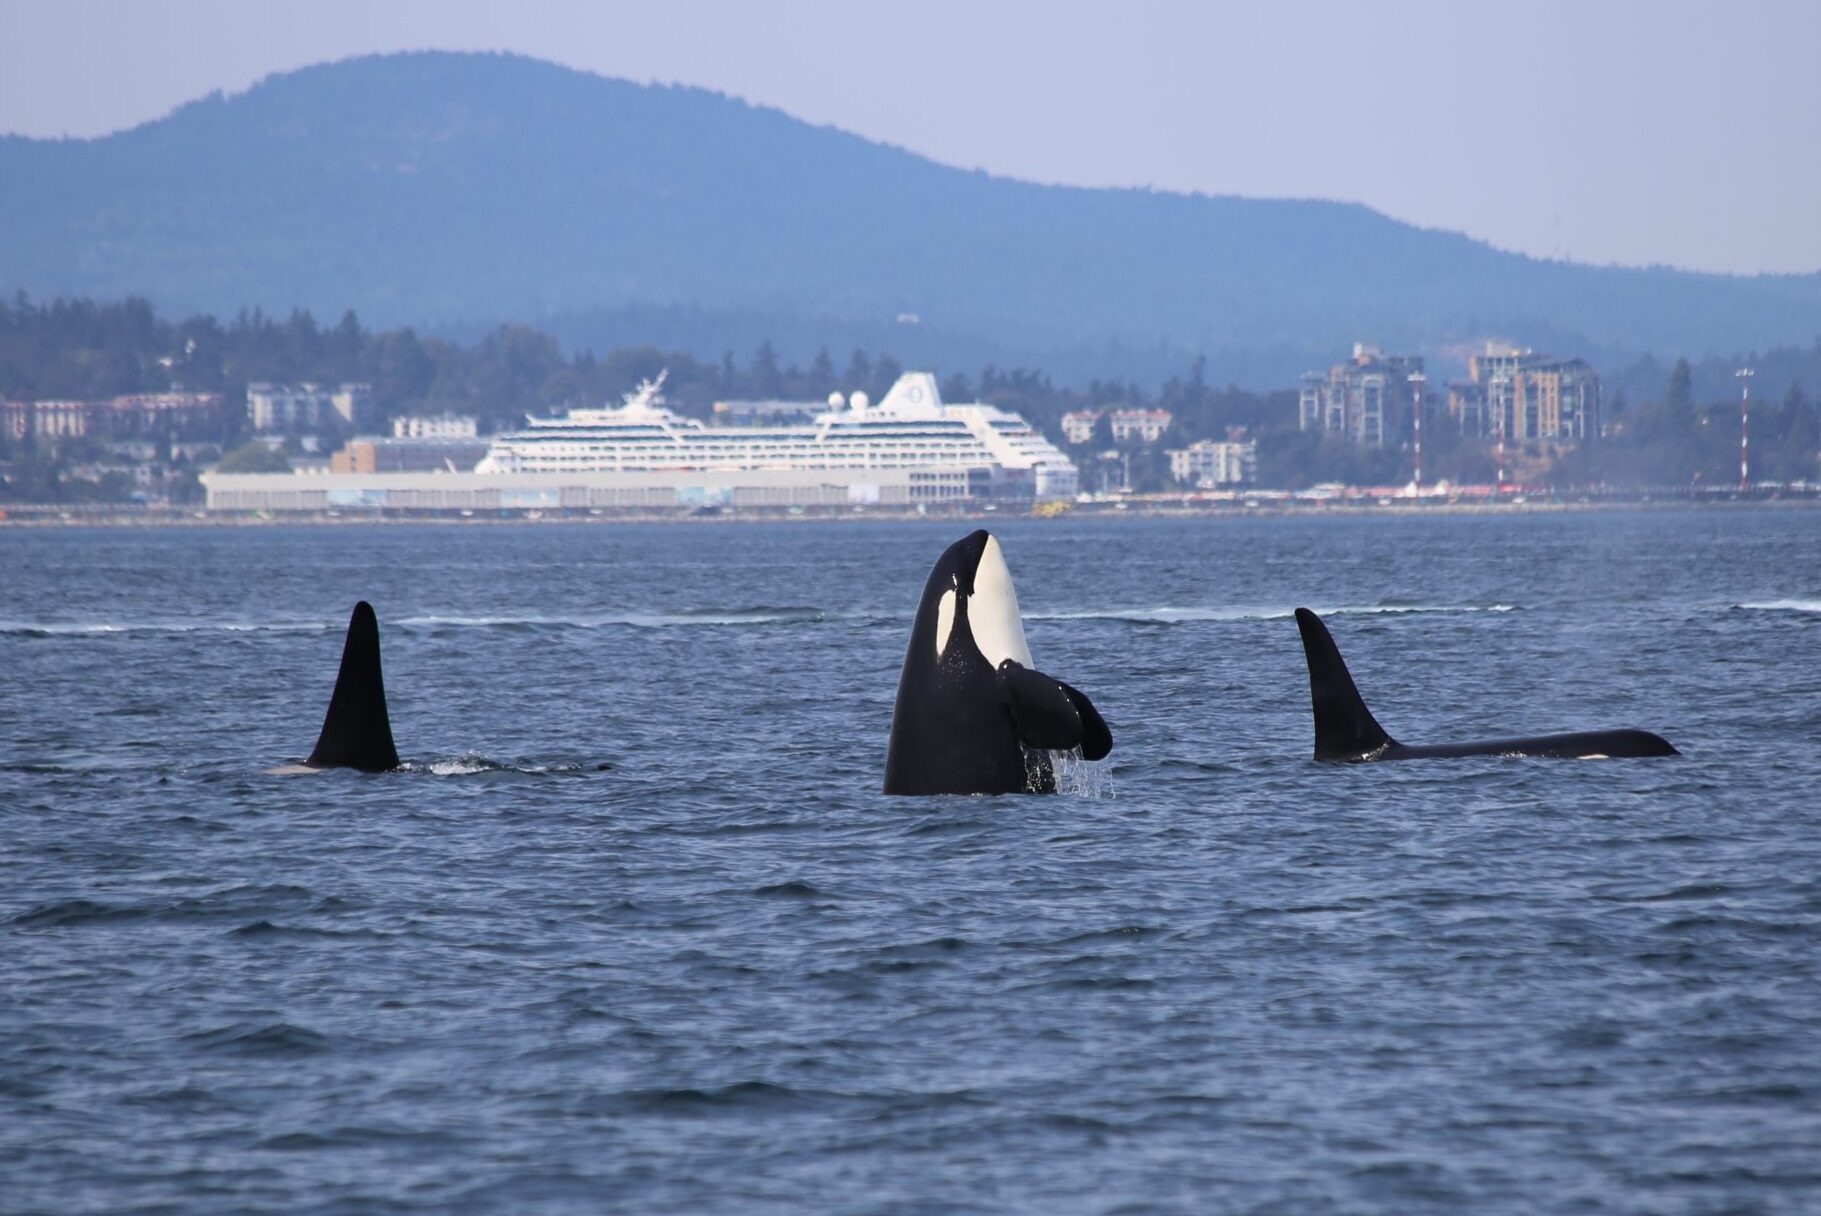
<point x="356" y="733"/>
<point x="973" y="716"/>
<point x="1346" y="730"/>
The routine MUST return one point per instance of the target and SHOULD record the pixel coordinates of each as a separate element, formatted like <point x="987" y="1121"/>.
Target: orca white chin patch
<point x="992" y="612"/>
<point x="945" y="620"/>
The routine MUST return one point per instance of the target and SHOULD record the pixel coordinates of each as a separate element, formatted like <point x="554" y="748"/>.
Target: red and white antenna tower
<point x="1416" y="382"/>
<point x="1745" y="374"/>
<point x="1502" y="406"/>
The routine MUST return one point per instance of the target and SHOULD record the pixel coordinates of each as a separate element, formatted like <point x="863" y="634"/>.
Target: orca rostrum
<point x="973" y="715"/>
<point x="1346" y="730"/>
<point x="356" y="733"/>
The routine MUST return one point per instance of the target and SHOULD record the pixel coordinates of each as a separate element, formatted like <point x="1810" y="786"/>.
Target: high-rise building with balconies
<point x="1522" y="395"/>
<point x="1367" y="399"/>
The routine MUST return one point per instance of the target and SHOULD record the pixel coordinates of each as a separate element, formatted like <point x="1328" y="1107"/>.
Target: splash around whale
<point x="1345" y="729"/>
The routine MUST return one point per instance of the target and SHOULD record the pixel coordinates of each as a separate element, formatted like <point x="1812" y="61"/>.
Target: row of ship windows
<point x="641" y="466"/>
<point x="743" y="442"/>
<point x="860" y="428"/>
<point x="867" y="431"/>
<point x="892" y="450"/>
<point x="543" y="441"/>
<point x="805" y="449"/>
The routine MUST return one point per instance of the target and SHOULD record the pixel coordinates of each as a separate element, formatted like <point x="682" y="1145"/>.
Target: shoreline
<point x="83" y="516"/>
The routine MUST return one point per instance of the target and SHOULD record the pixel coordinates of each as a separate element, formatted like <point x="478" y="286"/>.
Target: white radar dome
<point x="860" y="401"/>
<point x="836" y="401"/>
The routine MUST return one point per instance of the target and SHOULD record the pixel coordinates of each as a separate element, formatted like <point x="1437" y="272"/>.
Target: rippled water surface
<point x="726" y="974"/>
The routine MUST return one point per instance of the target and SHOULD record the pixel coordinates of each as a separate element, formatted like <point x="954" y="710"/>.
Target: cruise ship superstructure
<point x="909" y="448"/>
<point x="910" y="429"/>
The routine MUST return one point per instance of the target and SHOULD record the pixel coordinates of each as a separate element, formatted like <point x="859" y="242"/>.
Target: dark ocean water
<point x="728" y="975"/>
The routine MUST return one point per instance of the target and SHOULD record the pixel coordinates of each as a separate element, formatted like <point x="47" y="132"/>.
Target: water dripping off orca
<point x="356" y="732"/>
<point x="973" y="716"/>
<point x="1345" y="729"/>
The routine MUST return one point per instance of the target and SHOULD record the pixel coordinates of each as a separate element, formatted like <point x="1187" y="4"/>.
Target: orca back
<point x="1344" y="728"/>
<point x="356" y="733"/>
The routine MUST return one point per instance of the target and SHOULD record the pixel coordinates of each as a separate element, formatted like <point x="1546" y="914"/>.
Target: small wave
<point x="1177" y="616"/>
<point x="687" y="618"/>
<point x="471" y="764"/>
<point x="793" y="889"/>
<point x="71" y="912"/>
<point x="684" y="619"/>
<point x="1782" y="606"/>
<point x="80" y="629"/>
<point x="273" y="1039"/>
<point x="228" y="901"/>
<point x="760" y="1097"/>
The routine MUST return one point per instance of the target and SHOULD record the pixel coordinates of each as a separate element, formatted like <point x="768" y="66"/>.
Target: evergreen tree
<point x="767" y="382"/>
<point x="821" y="380"/>
<point x="859" y="374"/>
<point x="1795" y="405"/>
<point x="1678" y="401"/>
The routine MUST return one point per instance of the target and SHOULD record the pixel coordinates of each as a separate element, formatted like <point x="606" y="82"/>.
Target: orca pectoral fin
<point x="1042" y="714"/>
<point x="1047" y="713"/>
<point x="1096" y="737"/>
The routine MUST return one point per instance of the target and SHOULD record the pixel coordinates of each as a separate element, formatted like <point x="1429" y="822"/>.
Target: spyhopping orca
<point x="1346" y="730"/>
<point x="356" y="732"/>
<point x="972" y="716"/>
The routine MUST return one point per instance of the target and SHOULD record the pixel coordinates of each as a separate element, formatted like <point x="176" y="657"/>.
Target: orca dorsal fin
<point x="356" y="733"/>
<point x="1344" y="728"/>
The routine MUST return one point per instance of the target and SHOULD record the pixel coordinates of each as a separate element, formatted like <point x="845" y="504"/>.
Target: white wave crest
<point x="1176" y="616"/>
<point x="632" y="620"/>
<point x="1784" y="606"/>
<point x="77" y="629"/>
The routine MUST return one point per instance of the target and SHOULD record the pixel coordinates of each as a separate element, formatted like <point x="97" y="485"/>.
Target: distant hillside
<point x="456" y="190"/>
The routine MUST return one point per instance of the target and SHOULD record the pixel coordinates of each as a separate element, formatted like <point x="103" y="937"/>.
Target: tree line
<point x="87" y="349"/>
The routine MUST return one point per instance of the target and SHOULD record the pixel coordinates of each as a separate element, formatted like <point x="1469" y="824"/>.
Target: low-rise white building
<point x="435" y="426"/>
<point x="1078" y="425"/>
<point x="1144" y="426"/>
<point x="1128" y="425"/>
<point x="1209" y="463"/>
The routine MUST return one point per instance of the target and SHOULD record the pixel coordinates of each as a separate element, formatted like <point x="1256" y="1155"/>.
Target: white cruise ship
<point x="944" y="451"/>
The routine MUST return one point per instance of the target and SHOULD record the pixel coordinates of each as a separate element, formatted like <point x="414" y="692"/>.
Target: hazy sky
<point x="1630" y="131"/>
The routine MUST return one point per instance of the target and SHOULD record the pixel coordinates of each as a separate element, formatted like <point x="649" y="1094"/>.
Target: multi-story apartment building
<point x="1141" y="426"/>
<point x="1078" y="425"/>
<point x="1128" y="425"/>
<point x="1208" y="463"/>
<point x="1366" y="399"/>
<point x="46" y="419"/>
<point x="307" y="406"/>
<point x="1522" y="395"/>
<point x="129" y="416"/>
<point x="353" y="403"/>
<point x="163" y="414"/>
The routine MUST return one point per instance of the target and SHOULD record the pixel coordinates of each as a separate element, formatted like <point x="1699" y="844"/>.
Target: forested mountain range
<point x="457" y="191"/>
